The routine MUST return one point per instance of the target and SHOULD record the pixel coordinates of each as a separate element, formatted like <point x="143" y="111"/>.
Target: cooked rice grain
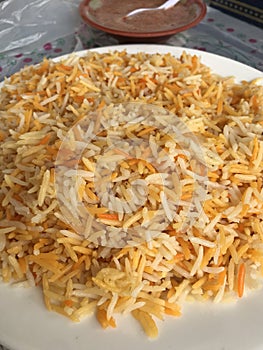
<point x="39" y="105"/>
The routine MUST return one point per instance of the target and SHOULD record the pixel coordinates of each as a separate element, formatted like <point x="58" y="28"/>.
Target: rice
<point x="154" y="211"/>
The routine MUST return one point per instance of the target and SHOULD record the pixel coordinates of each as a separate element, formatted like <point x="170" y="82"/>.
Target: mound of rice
<point x="218" y="256"/>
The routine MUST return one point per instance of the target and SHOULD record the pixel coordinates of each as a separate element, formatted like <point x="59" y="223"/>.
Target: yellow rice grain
<point x="38" y="246"/>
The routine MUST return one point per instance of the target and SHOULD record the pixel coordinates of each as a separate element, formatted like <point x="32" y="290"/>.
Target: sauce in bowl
<point x="111" y="14"/>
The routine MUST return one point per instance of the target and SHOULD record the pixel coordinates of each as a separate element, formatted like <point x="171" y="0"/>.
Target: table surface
<point x="217" y="33"/>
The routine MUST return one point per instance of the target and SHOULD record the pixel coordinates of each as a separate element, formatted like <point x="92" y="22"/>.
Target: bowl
<point x="154" y="26"/>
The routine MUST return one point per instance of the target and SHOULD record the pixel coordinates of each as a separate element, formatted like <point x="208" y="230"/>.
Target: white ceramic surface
<point x="25" y="324"/>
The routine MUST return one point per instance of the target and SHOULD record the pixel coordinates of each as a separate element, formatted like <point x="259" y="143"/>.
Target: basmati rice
<point x="202" y="257"/>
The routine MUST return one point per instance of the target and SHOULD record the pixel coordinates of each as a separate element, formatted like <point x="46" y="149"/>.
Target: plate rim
<point x="153" y="48"/>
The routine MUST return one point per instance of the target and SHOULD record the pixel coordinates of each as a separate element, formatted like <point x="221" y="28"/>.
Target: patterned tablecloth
<point x="217" y="33"/>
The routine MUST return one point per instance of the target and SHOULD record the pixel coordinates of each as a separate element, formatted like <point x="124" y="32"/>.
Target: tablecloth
<point x="218" y="33"/>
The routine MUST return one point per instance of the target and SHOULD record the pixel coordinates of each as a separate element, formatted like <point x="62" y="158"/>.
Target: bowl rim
<point x="84" y="3"/>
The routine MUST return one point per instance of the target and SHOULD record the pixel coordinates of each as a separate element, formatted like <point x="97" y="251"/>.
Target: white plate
<point x="25" y="324"/>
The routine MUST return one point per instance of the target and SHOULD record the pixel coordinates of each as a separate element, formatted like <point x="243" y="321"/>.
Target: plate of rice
<point x="131" y="202"/>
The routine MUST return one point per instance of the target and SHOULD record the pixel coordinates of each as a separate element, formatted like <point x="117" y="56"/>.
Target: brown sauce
<point x="111" y="13"/>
